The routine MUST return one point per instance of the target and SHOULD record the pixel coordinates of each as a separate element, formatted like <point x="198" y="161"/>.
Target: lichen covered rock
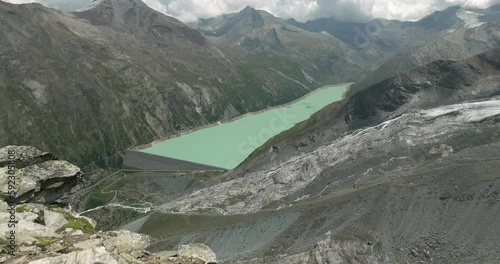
<point x="30" y="175"/>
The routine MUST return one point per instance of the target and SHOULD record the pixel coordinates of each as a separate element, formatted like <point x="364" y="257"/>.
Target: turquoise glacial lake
<point x="228" y="144"/>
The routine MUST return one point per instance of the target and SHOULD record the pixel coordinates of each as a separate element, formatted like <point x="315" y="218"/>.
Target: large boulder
<point x="124" y="241"/>
<point x="23" y="156"/>
<point x="39" y="177"/>
<point x="54" y="220"/>
<point x="27" y="232"/>
<point x="199" y="251"/>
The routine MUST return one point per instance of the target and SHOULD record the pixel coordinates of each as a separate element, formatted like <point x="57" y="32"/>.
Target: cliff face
<point x="34" y="176"/>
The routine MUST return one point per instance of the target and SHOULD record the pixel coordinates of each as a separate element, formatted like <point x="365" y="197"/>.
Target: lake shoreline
<point x="189" y="131"/>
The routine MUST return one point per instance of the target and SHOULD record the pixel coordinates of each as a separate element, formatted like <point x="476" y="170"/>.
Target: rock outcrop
<point x="35" y="176"/>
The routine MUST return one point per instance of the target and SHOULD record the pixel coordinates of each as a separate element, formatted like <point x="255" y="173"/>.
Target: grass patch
<point x="78" y="223"/>
<point x="21" y="209"/>
<point x="45" y="240"/>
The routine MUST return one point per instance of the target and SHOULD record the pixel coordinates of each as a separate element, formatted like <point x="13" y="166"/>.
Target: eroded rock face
<point x="38" y="176"/>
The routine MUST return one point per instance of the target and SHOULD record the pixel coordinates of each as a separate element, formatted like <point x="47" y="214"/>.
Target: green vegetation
<point x="21" y="209"/>
<point x="105" y="194"/>
<point x="98" y="199"/>
<point x="78" y="223"/>
<point x="45" y="240"/>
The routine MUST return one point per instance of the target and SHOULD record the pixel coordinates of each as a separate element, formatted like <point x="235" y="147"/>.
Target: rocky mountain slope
<point x="117" y="74"/>
<point x="255" y="34"/>
<point x="42" y="231"/>
<point x="381" y="38"/>
<point x="451" y="34"/>
<point x="405" y="171"/>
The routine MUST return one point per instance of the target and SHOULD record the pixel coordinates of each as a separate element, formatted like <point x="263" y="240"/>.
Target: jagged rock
<point x="23" y="156"/>
<point x="89" y="256"/>
<point x="54" y="220"/>
<point x="200" y="251"/>
<point x="39" y="177"/>
<point x="167" y="253"/>
<point x="77" y="233"/>
<point x="21" y="260"/>
<point x="28" y="216"/>
<point x="88" y="244"/>
<point x="28" y="231"/>
<point x="31" y="249"/>
<point x="127" y="242"/>
<point x="47" y="182"/>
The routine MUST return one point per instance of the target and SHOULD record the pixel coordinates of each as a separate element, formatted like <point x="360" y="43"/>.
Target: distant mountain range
<point x="254" y="33"/>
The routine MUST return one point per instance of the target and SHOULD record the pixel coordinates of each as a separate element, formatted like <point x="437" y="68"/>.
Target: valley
<point x="226" y="145"/>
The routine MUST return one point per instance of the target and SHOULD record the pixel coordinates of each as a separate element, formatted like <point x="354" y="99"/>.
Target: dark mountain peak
<point x="441" y="20"/>
<point x="248" y="9"/>
<point x="135" y="16"/>
<point x="129" y="13"/>
<point x="123" y="12"/>
<point x="250" y="12"/>
<point x="494" y="7"/>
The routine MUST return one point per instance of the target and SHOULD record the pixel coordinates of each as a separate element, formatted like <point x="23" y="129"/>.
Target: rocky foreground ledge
<point x="36" y="228"/>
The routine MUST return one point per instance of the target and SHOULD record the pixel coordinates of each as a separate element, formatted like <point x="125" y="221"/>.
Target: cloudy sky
<point x="302" y="10"/>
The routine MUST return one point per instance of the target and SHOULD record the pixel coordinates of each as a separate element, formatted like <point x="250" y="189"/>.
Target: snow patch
<point x="471" y="19"/>
<point x="467" y="112"/>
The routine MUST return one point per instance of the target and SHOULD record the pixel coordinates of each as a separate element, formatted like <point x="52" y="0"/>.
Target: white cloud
<point x="347" y="10"/>
<point x="21" y="1"/>
<point x="156" y="5"/>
